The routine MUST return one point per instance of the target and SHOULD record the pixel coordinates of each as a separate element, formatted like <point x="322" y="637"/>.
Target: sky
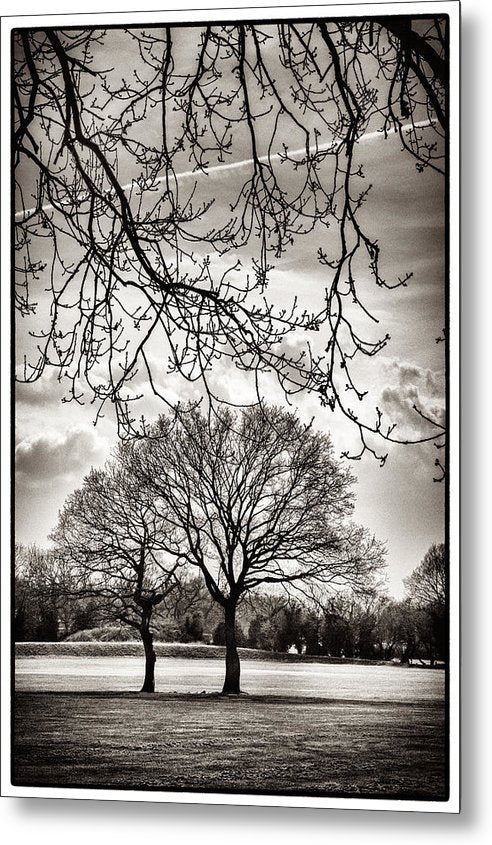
<point x="57" y="443"/>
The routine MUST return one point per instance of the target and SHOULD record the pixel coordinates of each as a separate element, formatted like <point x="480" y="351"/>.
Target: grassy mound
<point x="106" y="633"/>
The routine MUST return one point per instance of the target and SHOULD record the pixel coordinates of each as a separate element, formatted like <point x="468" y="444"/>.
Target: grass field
<point x="302" y="729"/>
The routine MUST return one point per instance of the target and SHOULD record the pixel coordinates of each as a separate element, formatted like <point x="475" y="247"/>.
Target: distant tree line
<point x="368" y="626"/>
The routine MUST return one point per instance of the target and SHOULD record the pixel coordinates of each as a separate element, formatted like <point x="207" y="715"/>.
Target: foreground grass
<point x="252" y="744"/>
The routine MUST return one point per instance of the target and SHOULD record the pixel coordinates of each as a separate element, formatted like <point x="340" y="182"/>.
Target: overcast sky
<point x="56" y="444"/>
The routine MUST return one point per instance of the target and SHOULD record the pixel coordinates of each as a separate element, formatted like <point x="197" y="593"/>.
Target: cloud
<point x="410" y="387"/>
<point x="51" y="455"/>
<point x="43" y="392"/>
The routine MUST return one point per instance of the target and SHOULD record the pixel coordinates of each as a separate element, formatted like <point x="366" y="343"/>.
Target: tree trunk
<point x="231" y="682"/>
<point x="148" y="643"/>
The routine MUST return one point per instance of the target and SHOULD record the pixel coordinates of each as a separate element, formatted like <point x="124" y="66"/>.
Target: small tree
<point x="251" y="499"/>
<point x="113" y="539"/>
<point x="192" y="628"/>
<point x="258" y="636"/>
<point x="337" y="635"/>
<point x="288" y="628"/>
<point x="364" y="614"/>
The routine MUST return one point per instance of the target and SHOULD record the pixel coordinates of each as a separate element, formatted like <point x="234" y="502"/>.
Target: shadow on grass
<point x="245" y="697"/>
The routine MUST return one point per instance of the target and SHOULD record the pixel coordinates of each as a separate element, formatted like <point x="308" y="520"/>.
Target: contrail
<point x="237" y="165"/>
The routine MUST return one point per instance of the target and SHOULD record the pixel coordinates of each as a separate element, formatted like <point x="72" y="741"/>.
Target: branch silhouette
<point x="114" y="183"/>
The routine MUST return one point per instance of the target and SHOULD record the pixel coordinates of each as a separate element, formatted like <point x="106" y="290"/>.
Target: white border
<point x="183" y="15"/>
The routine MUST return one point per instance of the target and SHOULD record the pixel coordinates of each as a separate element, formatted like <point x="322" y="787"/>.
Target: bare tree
<point x="113" y="541"/>
<point x="44" y="605"/>
<point x="112" y="184"/>
<point x="254" y="499"/>
<point x="427" y="592"/>
<point x="428" y="582"/>
<point x="37" y="605"/>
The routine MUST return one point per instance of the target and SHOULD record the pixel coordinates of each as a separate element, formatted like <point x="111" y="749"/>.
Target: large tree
<point x="113" y="540"/>
<point x="251" y="499"/>
<point x="125" y="261"/>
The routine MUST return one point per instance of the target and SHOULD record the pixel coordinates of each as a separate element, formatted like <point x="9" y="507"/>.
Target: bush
<point x="168" y="632"/>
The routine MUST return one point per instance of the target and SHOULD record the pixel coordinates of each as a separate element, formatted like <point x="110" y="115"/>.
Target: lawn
<point x="59" y="672"/>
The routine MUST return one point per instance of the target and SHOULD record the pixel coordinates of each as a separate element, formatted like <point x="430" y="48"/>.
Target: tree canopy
<point x="251" y="499"/>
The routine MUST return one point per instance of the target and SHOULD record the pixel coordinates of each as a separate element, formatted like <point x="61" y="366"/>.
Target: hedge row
<point x="192" y="650"/>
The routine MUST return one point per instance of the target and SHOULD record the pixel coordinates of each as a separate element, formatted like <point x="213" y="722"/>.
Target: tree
<point x="427" y="590"/>
<point x="364" y="615"/>
<point x="112" y="182"/>
<point x="35" y="617"/>
<point x="397" y="631"/>
<point x="311" y="631"/>
<point x="288" y="627"/>
<point x="113" y="540"/>
<point x="337" y="637"/>
<point x="192" y="628"/>
<point x="43" y="607"/>
<point x="274" y="620"/>
<point x="220" y="634"/>
<point x="277" y="623"/>
<point x="427" y="583"/>
<point x="251" y="499"/>
<point x="403" y="631"/>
